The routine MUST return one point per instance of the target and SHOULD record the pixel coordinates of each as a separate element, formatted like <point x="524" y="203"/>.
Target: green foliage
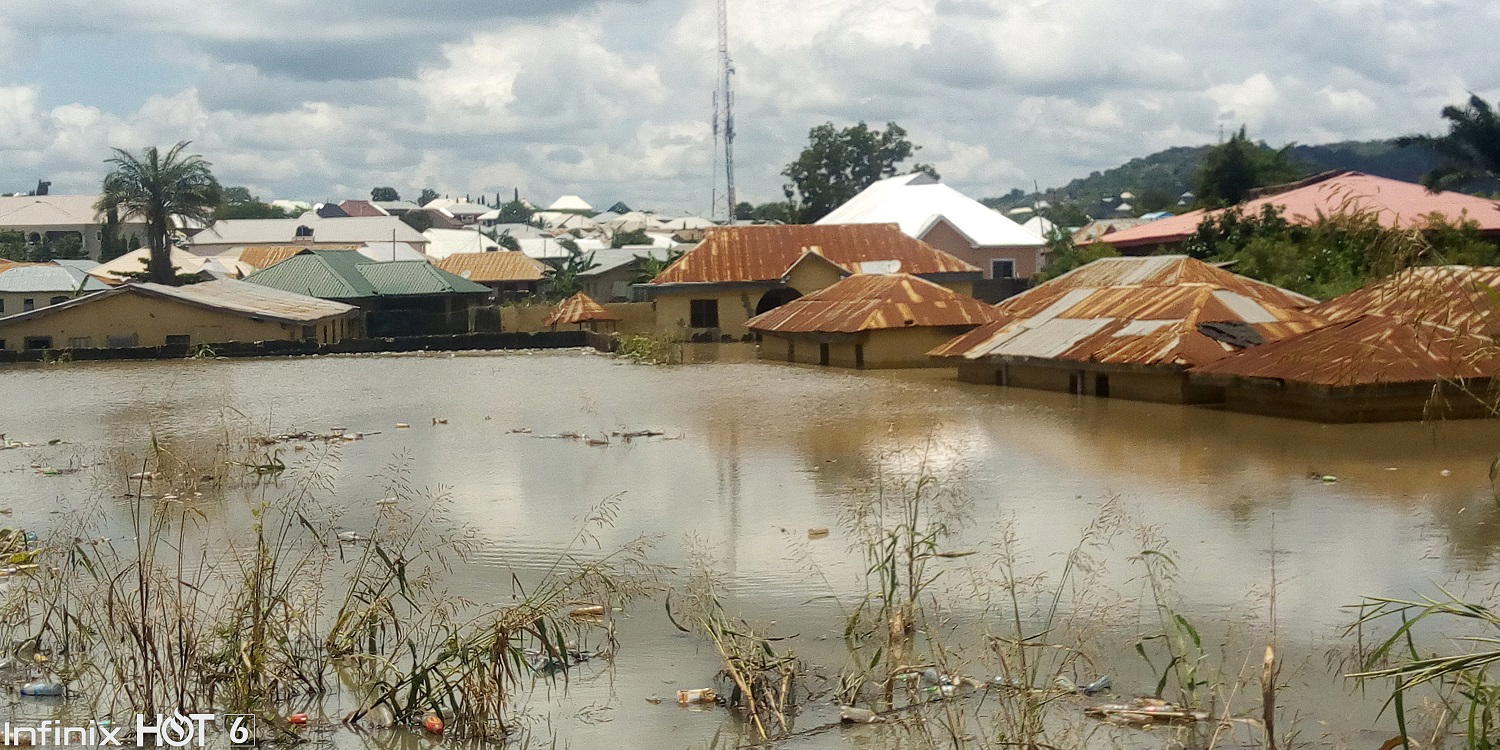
<point x="1063" y="256"/>
<point x="515" y="212"/>
<point x="160" y="190"/>
<point x="1470" y="150"/>
<point x="1232" y="169"/>
<point x="384" y="194"/>
<point x="565" y="279"/>
<point x="240" y="204"/>
<point x="655" y="349"/>
<point x="68" y="245"/>
<point x="651" y="267"/>
<point x="837" y="164"/>
<point x="775" y="211"/>
<point x="744" y="211"/>
<point x="428" y="195"/>
<point x="418" y="220"/>
<point x="508" y="242"/>
<point x="632" y="237"/>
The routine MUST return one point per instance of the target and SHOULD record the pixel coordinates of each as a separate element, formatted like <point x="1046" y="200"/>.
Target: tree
<point x="651" y="266"/>
<point x="565" y="279"/>
<point x="428" y="195"/>
<point x="837" y="164"/>
<point x="1232" y="169"/>
<point x="418" y="220"/>
<point x="384" y="194"/>
<point x="507" y="241"/>
<point x="1063" y="255"/>
<point x="1471" y="149"/>
<point x="240" y="204"/>
<point x="776" y="211"/>
<point x="516" y="212"/>
<point x="743" y="211"/>
<point x="632" y="237"/>
<point x="160" y="190"/>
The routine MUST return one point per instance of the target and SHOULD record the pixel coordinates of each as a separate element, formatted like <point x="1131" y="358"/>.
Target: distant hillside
<point x="1159" y="179"/>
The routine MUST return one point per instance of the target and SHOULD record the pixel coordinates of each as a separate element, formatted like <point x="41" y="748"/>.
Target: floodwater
<point x="757" y="453"/>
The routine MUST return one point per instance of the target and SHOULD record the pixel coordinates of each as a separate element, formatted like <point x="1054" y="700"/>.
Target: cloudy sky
<point x="322" y="99"/>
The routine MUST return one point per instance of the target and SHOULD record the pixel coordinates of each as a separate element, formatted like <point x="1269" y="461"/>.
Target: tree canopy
<point x="160" y="189"/>
<point x="632" y="237"/>
<point x="1232" y="169"/>
<point x="1470" y="150"/>
<point x="837" y="164"/>
<point x="515" y="212"/>
<point x="384" y="194"/>
<point x="238" y="203"/>
<point x="428" y="195"/>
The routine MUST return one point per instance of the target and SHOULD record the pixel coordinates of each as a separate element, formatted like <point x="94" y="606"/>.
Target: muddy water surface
<point x="762" y="452"/>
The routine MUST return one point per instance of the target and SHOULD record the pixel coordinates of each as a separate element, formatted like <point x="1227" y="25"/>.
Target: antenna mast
<point x="726" y="71"/>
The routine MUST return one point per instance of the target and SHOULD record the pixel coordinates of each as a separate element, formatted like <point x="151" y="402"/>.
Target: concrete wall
<point x="1386" y="403"/>
<point x="944" y="237"/>
<point x="891" y="348"/>
<point x="148" y="321"/>
<point x="14" y="302"/>
<point x="1167" y="385"/>
<point x="735" y="307"/>
<point x="612" y="285"/>
<point x="635" y="317"/>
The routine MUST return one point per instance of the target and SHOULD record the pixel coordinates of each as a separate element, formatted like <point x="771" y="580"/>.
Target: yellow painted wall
<point x="735" y="307"/>
<point x="14" y="302"/>
<point x="151" y="320"/>
<point x="813" y="275"/>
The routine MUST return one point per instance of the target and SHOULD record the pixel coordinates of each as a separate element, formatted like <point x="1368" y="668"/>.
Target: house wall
<point x="150" y="320"/>
<point x="612" y="285"/>
<point x="14" y="302"/>
<point x="735" y="307"/>
<point x="1386" y="403"/>
<point x="944" y="237"/>
<point x="890" y="348"/>
<point x="811" y="277"/>
<point x="1168" y="385"/>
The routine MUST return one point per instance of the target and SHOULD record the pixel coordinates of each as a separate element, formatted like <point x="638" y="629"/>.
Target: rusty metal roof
<point x="265" y="256"/>
<point x="494" y="267"/>
<point x="866" y="302"/>
<point x="1366" y="350"/>
<point x="1134" y="311"/>
<point x="764" y="253"/>
<point x="1466" y="298"/>
<point x="223" y="295"/>
<point x="579" y="308"/>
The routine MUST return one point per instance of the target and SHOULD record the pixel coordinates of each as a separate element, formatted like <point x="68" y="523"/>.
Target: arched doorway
<point x="776" y="298"/>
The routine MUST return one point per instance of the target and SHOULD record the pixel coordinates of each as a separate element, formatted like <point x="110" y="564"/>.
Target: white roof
<point x="686" y="222"/>
<point x="445" y="242"/>
<point x="563" y="220"/>
<point x="184" y="261"/>
<point x="389" y="251"/>
<point x="917" y="203"/>
<point x="1039" y="226"/>
<point x="48" y="210"/>
<point x="611" y="258"/>
<point x="551" y="247"/>
<point x="44" y="279"/>
<point x="352" y="230"/>
<point x="570" y="203"/>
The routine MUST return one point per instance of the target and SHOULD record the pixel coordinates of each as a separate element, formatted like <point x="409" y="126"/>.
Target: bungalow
<point x="52" y="218"/>
<point x="308" y="230"/>
<point x="1419" y="344"/>
<point x="130" y="265"/>
<point x="581" y="310"/>
<point x="28" y="286"/>
<point x="511" y="275"/>
<point x="1127" y="328"/>
<point x="400" y="298"/>
<point x="1395" y="204"/>
<point x="869" y="320"/>
<point x="445" y="242"/>
<point x="618" y="270"/>
<point x="739" y="272"/>
<point x="949" y="221"/>
<point x="213" y="312"/>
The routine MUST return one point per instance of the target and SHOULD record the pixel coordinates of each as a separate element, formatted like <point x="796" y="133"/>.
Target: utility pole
<point x="726" y="71"/>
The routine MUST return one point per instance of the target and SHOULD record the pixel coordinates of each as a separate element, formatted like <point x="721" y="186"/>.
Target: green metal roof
<point x="341" y="274"/>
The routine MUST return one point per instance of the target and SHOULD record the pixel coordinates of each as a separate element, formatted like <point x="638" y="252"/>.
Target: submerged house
<point x="739" y="272"/>
<point x="1419" y="344"/>
<point x="869" y="320"/>
<point x="212" y="312"/>
<point x="581" y="310"/>
<point x="948" y="220"/>
<point x="1128" y="328"/>
<point x="399" y="298"/>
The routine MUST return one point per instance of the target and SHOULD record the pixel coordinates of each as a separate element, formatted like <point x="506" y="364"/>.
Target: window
<point x="37" y="342"/>
<point x="81" y="342"/>
<point x="859" y="356"/>
<point x="703" y="313"/>
<point x="2" y="305"/>
<point x="180" y="339"/>
<point x="2" y="345"/>
<point x="823" y="354"/>
<point x="1101" y="386"/>
<point x="124" y="342"/>
<point x="1002" y="268"/>
<point x="58" y="300"/>
<point x="28" y="304"/>
<point x="1075" y="383"/>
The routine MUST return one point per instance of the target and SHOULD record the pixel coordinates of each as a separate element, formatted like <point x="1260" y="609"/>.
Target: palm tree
<point x="160" y="190"/>
<point x="1470" y="150"/>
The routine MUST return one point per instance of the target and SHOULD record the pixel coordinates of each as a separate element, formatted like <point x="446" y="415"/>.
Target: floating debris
<point x="517" y="430"/>
<point x="697" y="695"/>
<point x="591" y="611"/>
<point x="856" y="715"/>
<point x="817" y="532"/>
<point x="1142" y="711"/>
<point x="438" y="421"/>
<point x="352" y="537"/>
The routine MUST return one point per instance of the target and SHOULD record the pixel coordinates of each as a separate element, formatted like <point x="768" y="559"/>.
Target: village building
<point x="362" y="208"/>
<point x="1394" y="203"/>
<point x="511" y="275"/>
<point x="226" y="235"/>
<point x="132" y="266"/>
<point x="399" y="298"/>
<point x="1128" y="328"/>
<point x="213" y="312"/>
<point x="1420" y="344"/>
<point x="27" y="286"/>
<point x="54" y="218"/>
<point x="582" y="311"/>
<point x="442" y="243"/>
<point x="868" y="321"/>
<point x="949" y="221"/>
<point x="618" y="271"/>
<point x="571" y="204"/>
<point x="739" y="272"/>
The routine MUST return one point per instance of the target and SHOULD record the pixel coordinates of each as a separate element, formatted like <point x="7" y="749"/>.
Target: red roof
<point x="361" y="208"/>
<point x="764" y="253"/>
<point x="579" y="308"/>
<point x="866" y="302"/>
<point x="1466" y="298"/>
<point x="1397" y="204"/>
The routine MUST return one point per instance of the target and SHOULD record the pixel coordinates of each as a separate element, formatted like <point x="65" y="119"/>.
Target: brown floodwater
<point x="757" y="453"/>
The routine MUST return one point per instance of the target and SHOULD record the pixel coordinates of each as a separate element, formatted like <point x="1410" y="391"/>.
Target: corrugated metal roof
<point x="1150" y="316"/>
<point x="579" y="308"/>
<point x="339" y="274"/>
<point x="265" y="256"/>
<point x="404" y="278"/>
<point x="494" y="267"/>
<point x="1396" y="204"/>
<point x="1366" y="350"/>
<point x="763" y="253"/>
<point x="865" y="302"/>
<point x="45" y="278"/>
<point x="1466" y="298"/>
<point x="227" y="295"/>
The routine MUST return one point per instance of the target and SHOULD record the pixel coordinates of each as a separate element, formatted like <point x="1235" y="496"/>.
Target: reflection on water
<point x="754" y="454"/>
